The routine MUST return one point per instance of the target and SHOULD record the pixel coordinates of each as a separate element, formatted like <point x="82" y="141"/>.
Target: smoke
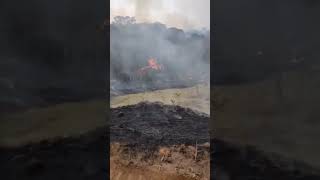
<point x="142" y="10"/>
<point x="186" y="14"/>
<point x="181" y="53"/>
<point x="179" y="20"/>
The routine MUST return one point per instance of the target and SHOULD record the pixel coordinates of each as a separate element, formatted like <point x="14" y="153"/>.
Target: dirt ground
<point x="81" y="158"/>
<point x="129" y="162"/>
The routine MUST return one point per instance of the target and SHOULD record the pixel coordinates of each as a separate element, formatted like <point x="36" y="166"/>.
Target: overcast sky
<point x="186" y="14"/>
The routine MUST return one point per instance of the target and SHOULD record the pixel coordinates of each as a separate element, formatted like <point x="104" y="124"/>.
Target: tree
<point x="124" y="20"/>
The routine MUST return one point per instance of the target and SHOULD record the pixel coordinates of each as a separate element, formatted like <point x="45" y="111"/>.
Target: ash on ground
<point x="145" y="127"/>
<point x="157" y="81"/>
<point x="169" y="140"/>
<point x="158" y="124"/>
<point x="83" y="158"/>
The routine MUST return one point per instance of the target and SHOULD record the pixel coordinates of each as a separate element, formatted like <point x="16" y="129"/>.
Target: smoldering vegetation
<point x="44" y="48"/>
<point x="183" y="54"/>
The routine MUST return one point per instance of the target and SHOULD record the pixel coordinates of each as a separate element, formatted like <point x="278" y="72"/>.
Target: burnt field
<point x="119" y="87"/>
<point x="141" y="152"/>
<point x="146" y="123"/>
<point x="159" y="138"/>
<point x="152" y="56"/>
<point x="155" y="121"/>
<point x="152" y="62"/>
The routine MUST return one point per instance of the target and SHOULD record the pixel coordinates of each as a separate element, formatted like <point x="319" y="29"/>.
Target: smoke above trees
<point x="180" y="52"/>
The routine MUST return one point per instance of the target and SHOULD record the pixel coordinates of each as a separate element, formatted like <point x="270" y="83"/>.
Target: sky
<point x="185" y="14"/>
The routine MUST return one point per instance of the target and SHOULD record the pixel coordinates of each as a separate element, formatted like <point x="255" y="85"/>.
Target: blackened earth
<point x="159" y="124"/>
<point x="86" y="156"/>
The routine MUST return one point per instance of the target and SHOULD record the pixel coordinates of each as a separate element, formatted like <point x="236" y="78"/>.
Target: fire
<point x="152" y="64"/>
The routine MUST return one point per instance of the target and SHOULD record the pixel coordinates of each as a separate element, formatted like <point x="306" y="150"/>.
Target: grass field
<point x="196" y="98"/>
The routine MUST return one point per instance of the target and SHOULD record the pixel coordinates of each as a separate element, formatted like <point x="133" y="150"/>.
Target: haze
<point x="185" y="14"/>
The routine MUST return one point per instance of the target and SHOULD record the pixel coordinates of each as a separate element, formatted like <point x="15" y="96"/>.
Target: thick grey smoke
<point x="186" y="14"/>
<point x="181" y="53"/>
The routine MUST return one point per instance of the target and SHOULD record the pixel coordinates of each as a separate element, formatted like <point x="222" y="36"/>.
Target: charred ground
<point x="158" y="124"/>
<point x="135" y="153"/>
<point x="139" y="132"/>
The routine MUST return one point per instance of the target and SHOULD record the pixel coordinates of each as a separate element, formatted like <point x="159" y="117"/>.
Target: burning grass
<point x="152" y="65"/>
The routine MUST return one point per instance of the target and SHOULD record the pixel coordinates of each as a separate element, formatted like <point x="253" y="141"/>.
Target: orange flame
<point x="152" y="64"/>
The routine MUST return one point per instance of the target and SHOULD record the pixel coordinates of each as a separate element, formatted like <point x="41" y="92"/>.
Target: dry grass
<point x="171" y="162"/>
<point x="70" y="119"/>
<point x="197" y="98"/>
